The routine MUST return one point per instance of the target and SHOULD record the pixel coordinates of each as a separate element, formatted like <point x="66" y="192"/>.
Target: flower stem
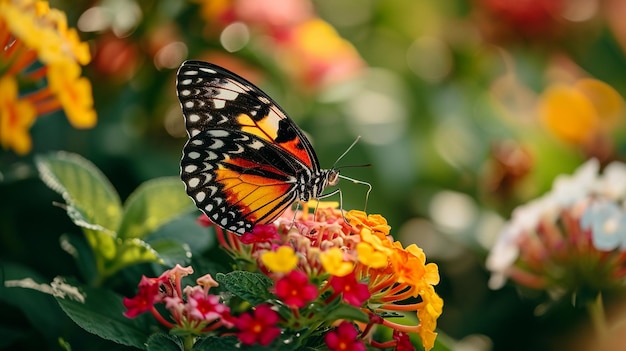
<point x="598" y="317"/>
<point x="188" y="342"/>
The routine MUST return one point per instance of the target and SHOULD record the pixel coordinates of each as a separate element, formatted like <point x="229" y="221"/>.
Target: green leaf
<point x="100" y="312"/>
<point x="153" y="204"/>
<point x="91" y="200"/>
<point x="224" y="343"/>
<point x="28" y="291"/>
<point x="77" y="247"/>
<point x="164" y="342"/>
<point x="171" y="251"/>
<point x="186" y="230"/>
<point x="347" y="312"/>
<point x="252" y="287"/>
<point x="10" y="335"/>
<point x="133" y="251"/>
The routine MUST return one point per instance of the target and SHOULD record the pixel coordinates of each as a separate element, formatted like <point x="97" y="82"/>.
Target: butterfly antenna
<point x="347" y="150"/>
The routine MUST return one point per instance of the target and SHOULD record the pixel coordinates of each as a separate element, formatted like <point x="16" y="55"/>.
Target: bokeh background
<point x="465" y="109"/>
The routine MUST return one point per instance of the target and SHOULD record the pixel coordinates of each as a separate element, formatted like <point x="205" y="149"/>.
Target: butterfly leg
<point x="337" y="191"/>
<point x="295" y="212"/>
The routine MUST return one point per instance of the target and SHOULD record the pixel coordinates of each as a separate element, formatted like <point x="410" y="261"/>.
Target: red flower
<point x="146" y="297"/>
<point x="344" y="338"/>
<point x="260" y="233"/>
<point x="295" y="290"/>
<point x="204" y="221"/>
<point x="203" y="306"/>
<point x="404" y="342"/>
<point x="354" y="293"/>
<point x="258" y="326"/>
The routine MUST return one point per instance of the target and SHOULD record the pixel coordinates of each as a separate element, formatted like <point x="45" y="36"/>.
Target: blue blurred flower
<point x="607" y="222"/>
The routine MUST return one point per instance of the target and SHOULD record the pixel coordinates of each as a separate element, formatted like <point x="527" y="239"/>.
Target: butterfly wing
<point x="213" y="97"/>
<point x="244" y="155"/>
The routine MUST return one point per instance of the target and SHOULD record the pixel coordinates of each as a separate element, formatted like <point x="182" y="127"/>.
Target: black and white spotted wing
<point x="245" y="161"/>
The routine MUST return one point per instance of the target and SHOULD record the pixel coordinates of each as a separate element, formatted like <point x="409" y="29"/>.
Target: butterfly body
<point x="246" y="161"/>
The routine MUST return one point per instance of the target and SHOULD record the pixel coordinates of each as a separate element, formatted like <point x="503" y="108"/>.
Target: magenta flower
<point x="202" y="306"/>
<point x="354" y="293"/>
<point x="260" y="233"/>
<point x="344" y="338"/>
<point x="295" y="289"/>
<point x="403" y="341"/>
<point x="259" y="326"/>
<point x="146" y="297"/>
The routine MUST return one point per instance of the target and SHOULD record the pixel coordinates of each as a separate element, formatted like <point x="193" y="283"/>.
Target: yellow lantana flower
<point x="333" y="263"/>
<point x="431" y="273"/>
<point x="375" y="222"/>
<point x="74" y="93"/>
<point x="408" y="268"/>
<point x="39" y="43"/>
<point x="16" y="118"/>
<point x="283" y="260"/>
<point x="372" y="251"/>
<point x="428" y="314"/>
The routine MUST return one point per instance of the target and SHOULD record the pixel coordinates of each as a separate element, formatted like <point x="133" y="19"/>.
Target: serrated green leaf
<point x="252" y="287"/>
<point x="171" y="252"/>
<point x="91" y="200"/>
<point x="153" y="204"/>
<point x="347" y="312"/>
<point x="100" y="312"/>
<point x="164" y="342"/>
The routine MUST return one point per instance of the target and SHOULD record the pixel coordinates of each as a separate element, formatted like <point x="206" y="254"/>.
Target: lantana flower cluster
<point x="571" y="239"/>
<point x="40" y="71"/>
<point x="317" y="263"/>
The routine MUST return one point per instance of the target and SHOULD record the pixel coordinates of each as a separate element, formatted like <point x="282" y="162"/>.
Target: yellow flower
<point x="283" y="260"/>
<point x="408" y="268"/>
<point x="607" y="102"/>
<point x="428" y="314"/>
<point x="568" y="113"/>
<point x="431" y="273"/>
<point x="577" y="113"/>
<point x="319" y="39"/>
<point x="68" y="43"/>
<point x="333" y="263"/>
<point x="74" y="93"/>
<point x="375" y="222"/>
<point x="370" y="257"/>
<point x="16" y="117"/>
<point x="40" y="34"/>
<point x="372" y="251"/>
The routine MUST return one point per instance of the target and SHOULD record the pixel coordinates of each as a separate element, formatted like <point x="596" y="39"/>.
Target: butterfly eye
<point x="333" y="177"/>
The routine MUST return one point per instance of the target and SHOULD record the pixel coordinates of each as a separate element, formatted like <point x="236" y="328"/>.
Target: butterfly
<point x="246" y="161"/>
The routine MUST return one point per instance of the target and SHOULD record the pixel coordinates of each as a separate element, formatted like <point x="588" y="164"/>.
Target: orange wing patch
<point x="253" y="195"/>
<point x="266" y="128"/>
<point x="277" y="129"/>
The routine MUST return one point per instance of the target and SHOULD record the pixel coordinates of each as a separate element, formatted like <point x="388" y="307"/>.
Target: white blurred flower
<point x="595" y="203"/>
